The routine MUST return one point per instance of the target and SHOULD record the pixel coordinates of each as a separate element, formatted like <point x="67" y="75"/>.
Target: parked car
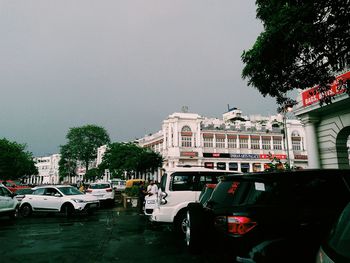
<point x="336" y="247"/>
<point x="8" y="204"/>
<point x="191" y="207"/>
<point x="12" y="186"/>
<point x="20" y="193"/>
<point x="58" y="198"/>
<point x="179" y="187"/>
<point x="282" y="216"/>
<point x="118" y="184"/>
<point x="102" y="191"/>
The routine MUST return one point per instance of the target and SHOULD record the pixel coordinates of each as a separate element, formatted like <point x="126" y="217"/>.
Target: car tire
<point x="194" y="228"/>
<point x="67" y="209"/>
<point x="26" y="210"/>
<point x="180" y="222"/>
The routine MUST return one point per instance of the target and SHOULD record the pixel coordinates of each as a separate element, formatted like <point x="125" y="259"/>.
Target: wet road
<point x="110" y="235"/>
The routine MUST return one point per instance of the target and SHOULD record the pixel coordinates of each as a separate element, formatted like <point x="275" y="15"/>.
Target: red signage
<point x="189" y="154"/>
<point x="312" y="96"/>
<point x="271" y="156"/>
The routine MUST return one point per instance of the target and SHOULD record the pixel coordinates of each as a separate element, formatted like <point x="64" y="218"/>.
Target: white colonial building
<point x="327" y="126"/>
<point x="235" y="142"/>
<point x="48" y="170"/>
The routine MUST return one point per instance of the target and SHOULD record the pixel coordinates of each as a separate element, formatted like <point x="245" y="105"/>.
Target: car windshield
<point x="99" y="186"/>
<point x="339" y="239"/>
<point x="68" y="190"/>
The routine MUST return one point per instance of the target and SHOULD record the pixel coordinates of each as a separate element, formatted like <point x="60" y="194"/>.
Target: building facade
<point x="235" y="142"/>
<point x="47" y="170"/>
<point x="327" y="127"/>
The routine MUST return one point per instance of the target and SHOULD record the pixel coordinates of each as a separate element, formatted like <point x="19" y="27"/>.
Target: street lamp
<point x="285" y="110"/>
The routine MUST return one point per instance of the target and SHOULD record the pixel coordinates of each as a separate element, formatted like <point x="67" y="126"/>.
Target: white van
<point x="179" y="187"/>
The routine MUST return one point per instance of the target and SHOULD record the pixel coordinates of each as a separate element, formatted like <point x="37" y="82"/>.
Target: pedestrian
<point x="153" y="188"/>
<point x="142" y="193"/>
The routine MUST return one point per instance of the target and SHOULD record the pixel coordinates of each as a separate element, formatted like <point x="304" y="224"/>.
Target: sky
<point x="120" y="64"/>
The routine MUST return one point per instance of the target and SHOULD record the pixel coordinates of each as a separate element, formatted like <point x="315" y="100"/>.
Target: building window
<point x="233" y="166"/>
<point x="231" y="143"/>
<point x="277" y="143"/>
<point x="266" y="143"/>
<point x="186" y="141"/>
<point x="186" y="137"/>
<point x="220" y="143"/>
<point x="296" y="143"/>
<point x="208" y="142"/>
<point x="221" y="166"/>
<point x="255" y="143"/>
<point x="243" y="143"/>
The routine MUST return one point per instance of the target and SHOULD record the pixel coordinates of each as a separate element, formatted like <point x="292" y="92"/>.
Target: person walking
<point x="142" y="193"/>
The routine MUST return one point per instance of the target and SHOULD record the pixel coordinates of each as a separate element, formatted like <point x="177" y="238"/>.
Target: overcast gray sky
<point x="124" y="65"/>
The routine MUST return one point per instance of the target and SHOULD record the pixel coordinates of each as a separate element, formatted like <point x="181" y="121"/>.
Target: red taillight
<point x="240" y="225"/>
<point x="109" y="190"/>
<point x="88" y="191"/>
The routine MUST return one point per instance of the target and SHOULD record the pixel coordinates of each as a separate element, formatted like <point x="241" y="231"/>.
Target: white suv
<point x="57" y="198"/>
<point x="179" y="187"/>
<point x="8" y="204"/>
<point x="102" y="191"/>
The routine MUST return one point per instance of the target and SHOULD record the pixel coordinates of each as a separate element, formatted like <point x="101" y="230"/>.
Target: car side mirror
<point x="57" y="195"/>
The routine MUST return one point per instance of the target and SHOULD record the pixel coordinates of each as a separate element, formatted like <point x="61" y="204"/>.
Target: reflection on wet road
<point x="110" y="235"/>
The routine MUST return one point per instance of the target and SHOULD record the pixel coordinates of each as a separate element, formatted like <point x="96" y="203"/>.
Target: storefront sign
<point x="189" y="154"/>
<point x="244" y="156"/>
<point x="312" y="95"/>
<point x="300" y="157"/>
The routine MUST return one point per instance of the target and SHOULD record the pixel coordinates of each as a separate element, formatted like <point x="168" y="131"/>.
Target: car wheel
<point x="180" y="223"/>
<point x="26" y="210"/>
<point x="194" y="228"/>
<point x="67" y="210"/>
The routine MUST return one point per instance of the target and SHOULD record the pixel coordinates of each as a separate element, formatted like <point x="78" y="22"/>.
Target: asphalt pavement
<point x="110" y="235"/>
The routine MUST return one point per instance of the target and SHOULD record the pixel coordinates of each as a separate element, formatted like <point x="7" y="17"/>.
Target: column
<point x="312" y="143"/>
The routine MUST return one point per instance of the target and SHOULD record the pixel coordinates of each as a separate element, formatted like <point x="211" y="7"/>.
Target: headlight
<point x="78" y="201"/>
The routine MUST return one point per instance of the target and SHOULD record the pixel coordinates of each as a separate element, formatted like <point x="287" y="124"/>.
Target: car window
<point x="99" y="186"/>
<point x="51" y="191"/>
<point x="39" y="191"/>
<point x="66" y="190"/>
<point x="224" y="192"/>
<point x="4" y="192"/>
<point x="182" y="182"/>
<point x="339" y="239"/>
<point x="163" y="182"/>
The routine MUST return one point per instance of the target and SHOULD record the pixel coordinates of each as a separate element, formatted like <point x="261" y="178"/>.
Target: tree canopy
<point x="81" y="147"/>
<point x="130" y="158"/>
<point x="304" y="44"/>
<point x="15" y="161"/>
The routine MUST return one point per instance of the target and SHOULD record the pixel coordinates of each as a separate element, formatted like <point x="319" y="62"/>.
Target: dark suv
<point x="247" y="210"/>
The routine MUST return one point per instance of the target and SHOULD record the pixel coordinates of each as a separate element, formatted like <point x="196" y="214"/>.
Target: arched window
<point x="296" y="141"/>
<point x="186" y="136"/>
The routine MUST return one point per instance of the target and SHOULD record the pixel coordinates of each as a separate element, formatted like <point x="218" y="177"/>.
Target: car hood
<point x="84" y="197"/>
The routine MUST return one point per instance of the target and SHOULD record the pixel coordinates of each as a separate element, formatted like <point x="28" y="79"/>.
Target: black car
<point x="290" y="208"/>
<point x="336" y="247"/>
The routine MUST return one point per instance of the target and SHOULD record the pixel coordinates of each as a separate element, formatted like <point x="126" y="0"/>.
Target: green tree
<point x="93" y="174"/>
<point x="129" y="157"/>
<point x="15" y="161"/>
<point x="304" y="43"/>
<point x="81" y="147"/>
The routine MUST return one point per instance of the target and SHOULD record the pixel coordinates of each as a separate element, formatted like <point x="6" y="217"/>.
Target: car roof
<point x="285" y="174"/>
<point x="196" y="169"/>
<point x="50" y="185"/>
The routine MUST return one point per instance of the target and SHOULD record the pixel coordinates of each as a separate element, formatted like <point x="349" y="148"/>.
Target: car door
<point x="51" y="200"/>
<point x="5" y="199"/>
